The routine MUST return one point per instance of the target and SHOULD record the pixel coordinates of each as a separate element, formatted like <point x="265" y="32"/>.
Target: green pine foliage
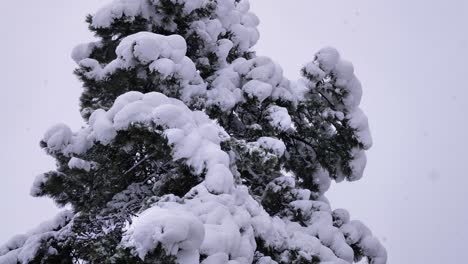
<point x="287" y="140"/>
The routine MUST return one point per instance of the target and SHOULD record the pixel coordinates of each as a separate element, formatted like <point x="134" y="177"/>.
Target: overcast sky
<point x="410" y="56"/>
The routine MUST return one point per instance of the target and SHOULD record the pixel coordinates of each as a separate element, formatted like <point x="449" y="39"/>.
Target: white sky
<point x="409" y="55"/>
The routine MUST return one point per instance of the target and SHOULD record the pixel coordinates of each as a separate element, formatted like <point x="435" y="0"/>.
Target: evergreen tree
<point x="196" y="150"/>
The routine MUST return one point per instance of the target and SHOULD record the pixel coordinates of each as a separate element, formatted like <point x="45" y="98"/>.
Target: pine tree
<point x="196" y="150"/>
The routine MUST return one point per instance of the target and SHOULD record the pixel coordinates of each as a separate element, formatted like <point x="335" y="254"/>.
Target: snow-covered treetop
<point x="196" y="150"/>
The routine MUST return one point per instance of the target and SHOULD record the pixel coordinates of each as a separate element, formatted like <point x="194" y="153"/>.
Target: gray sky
<point x="409" y="55"/>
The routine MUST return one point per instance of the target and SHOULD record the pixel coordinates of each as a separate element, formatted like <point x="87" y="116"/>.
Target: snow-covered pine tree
<point x="196" y="150"/>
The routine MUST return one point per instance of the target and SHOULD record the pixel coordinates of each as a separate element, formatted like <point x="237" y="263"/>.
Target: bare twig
<point x="139" y="163"/>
